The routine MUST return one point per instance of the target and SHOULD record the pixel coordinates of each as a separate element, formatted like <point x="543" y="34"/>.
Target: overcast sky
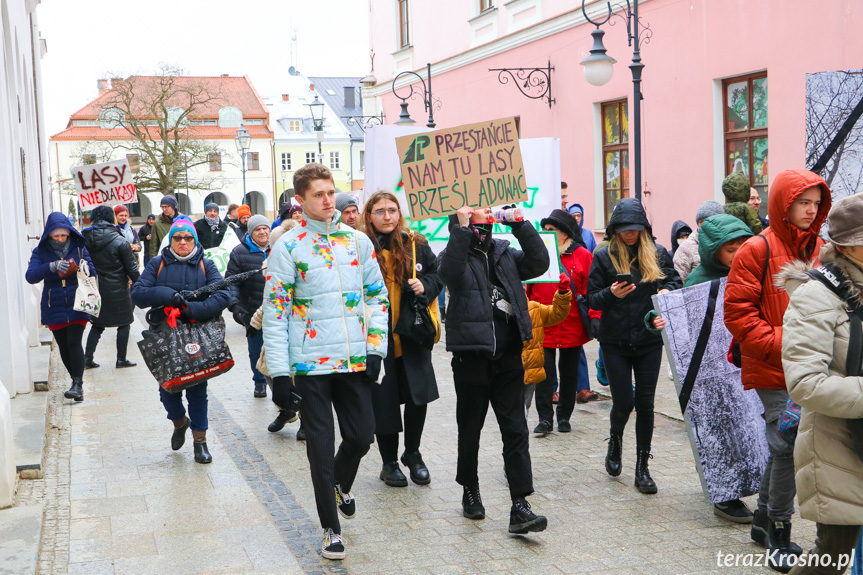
<point x="89" y="38"/>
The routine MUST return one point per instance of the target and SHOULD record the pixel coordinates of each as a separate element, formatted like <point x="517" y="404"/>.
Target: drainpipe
<point x="36" y="54"/>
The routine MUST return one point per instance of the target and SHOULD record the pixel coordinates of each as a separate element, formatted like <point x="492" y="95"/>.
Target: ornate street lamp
<point x="284" y="177"/>
<point x="317" y="109"/>
<point x="243" y="141"/>
<point x="428" y="102"/>
<point x="598" y="68"/>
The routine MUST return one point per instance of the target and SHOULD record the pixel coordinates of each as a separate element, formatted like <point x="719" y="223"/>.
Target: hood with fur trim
<point x="793" y="274"/>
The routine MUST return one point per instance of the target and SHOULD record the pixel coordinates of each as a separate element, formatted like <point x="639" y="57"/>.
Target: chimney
<point x="285" y="97"/>
<point x="103" y="85"/>
<point x="225" y="75"/>
<point x="350" y="97"/>
<point x="312" y="87"/>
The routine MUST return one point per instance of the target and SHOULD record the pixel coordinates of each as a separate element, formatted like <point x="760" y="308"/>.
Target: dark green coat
<point x="715" y="232"/>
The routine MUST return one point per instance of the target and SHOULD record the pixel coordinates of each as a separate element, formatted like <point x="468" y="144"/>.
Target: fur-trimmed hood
<point x="793" y="274"/>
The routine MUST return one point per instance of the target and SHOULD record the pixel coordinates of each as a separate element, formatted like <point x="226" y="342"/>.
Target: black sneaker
<point x="471" y="503"/>
<point x="543" y="428"/>
<point x="283" y="418"/>
<point x="522" y="520"/>
<point x="260" y="390"/>
<point x="332" y="547"/>
<point x="563" y="426"/>
<point x="89" y="363"/>
<point x="346" y="503"/>
<point x="301" y="432"/>
<point x="734" y="511"/>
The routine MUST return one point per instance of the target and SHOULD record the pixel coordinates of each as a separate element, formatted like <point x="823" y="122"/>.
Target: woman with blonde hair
<point x="624" y="276"/>
<point x="409" y="268"/>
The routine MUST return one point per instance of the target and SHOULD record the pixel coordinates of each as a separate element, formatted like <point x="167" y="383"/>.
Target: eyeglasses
<point x="183" y="238"/>
<point x="380" y="213"/>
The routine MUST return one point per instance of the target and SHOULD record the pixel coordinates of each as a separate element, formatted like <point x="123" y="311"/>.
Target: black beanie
<point x="562" y="220"/>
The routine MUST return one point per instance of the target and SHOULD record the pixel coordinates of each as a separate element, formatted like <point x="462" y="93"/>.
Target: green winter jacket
<point x="716" y="231"/>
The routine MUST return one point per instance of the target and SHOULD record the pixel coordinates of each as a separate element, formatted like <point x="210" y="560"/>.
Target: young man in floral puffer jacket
<point x="325" y="322"/>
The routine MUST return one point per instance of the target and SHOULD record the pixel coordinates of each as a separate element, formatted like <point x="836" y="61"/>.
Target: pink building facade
<point x="724" y="81"/>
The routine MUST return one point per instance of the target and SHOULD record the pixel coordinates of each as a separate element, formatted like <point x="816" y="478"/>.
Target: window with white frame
<point x="310" y="157"/>
<point x="287" y="161"/>
<point x="362" y="160"/>
<point x="252" y="161"/>
<point x="335" y="160"/>
<point x="295" y="126"/>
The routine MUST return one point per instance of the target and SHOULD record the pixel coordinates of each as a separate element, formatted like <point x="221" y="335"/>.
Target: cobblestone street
<point x="119" y="501"/>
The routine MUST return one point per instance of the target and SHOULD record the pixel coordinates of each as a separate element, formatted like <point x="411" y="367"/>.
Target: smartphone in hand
<point x="624" y="278"/>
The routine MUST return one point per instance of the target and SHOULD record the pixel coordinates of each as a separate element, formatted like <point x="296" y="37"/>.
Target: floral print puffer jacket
<point x="314" y="300"/>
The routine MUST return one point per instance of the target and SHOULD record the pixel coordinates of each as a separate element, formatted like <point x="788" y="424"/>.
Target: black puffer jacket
<point x="208" y="237"/>
<point x="622" y="320"/>
<point x="247" y="256"/>
<point x="116" y="266"/>
<point x="464" y="270"/>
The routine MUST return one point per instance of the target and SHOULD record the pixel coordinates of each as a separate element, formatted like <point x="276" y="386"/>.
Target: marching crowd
<point x="332" y="292"/>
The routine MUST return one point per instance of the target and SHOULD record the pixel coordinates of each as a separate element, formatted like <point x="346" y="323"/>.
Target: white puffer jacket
<point x="815" y="337"/>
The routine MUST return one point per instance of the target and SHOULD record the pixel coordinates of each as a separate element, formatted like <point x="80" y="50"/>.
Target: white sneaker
<point x="332" y="547"/>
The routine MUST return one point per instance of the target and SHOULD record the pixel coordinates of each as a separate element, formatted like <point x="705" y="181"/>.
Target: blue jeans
<point x="856" y="567"/>
<point x="255" y="337"/>
<point x="196" y="396"/>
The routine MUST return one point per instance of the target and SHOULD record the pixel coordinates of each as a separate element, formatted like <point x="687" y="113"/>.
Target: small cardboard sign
<point x="477" y="165"/>
<point x="108" y="184"/>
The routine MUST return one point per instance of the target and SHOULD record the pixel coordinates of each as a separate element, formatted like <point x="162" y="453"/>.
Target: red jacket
<point x="753" y="312"/>
<point x="570" y="332"/>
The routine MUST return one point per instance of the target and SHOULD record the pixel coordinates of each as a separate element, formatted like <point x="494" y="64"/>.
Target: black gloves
<point x="373" y="368"/>
<point x="241" y="316"/>
<point x="188" y="295"/>
<point x="178" y="301"/>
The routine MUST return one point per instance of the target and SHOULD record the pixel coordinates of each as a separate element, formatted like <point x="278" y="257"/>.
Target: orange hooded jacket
<point x="753" y="312"/>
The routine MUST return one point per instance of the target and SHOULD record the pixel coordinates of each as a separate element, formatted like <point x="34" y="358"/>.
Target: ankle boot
<point x="121" y="363"/>
<point x="779" y="539"/>
<point x="178" y="438"/>
<point x="643" y="482"/>
<point x="283" y="418"/>
<point x="612" y="458"/>
<point x="202" y="454"/>
<point x="89" y="363"/>
<point x="75" y="392"/>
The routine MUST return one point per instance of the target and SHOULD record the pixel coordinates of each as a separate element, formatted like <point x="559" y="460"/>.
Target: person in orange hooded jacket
<point x="797" y="204"/>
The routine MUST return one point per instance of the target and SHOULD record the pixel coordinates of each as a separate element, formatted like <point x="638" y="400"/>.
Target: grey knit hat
<point x="255" y="221"/>
<point x="707" y="209"/>
<point x="344" y="200"/>
<point x="168" y="201"/>
<point x="211" y="206"/>
<point x="845" y="221"/>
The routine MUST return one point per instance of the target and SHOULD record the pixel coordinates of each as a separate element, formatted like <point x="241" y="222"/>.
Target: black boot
<point x="121" y="363"/>
<point x="522" y="520"/>
<point x="392" y="475"/>
<point x="418" y="470"/>
<point x="89" y="363"/>
<point x="202" y="454"/>
<point x="612" y="458"/>
<point x="178" y="438"/>
<point x="301" y="432"/>
<point x="76" y="392"/>
<point x="779" y="540"/>
<point x="758" y="533"/>
<point x="471" y="503"/>
<point x="282" y="419"/>
<point x="643" y="482"/>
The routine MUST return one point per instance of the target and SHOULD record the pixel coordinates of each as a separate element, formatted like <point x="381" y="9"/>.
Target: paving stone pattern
<point x="118" y="500"/>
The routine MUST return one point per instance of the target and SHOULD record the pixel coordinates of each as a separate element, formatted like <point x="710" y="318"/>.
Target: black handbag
<point x="415" y="322"/>
<point x="591" y="326"/>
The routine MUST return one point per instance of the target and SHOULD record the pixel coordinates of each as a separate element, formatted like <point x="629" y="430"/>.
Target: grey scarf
<point x="213" y="222"/>
<point x="60" y="248"/>
<point x="183" y="258"/>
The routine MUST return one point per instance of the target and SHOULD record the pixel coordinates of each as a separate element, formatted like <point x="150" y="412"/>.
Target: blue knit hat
<point x="182" y="225"/>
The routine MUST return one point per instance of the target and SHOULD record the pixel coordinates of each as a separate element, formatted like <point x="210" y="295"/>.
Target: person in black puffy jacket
<point x="182" y="267"/>
<point x="116" y="266"/>
<point x="248" y="296"/>
<point x="628" y="346"/>
<point x="487" y="323"/>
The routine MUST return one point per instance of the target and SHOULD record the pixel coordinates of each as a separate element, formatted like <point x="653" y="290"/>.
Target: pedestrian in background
<point x="736" y="189"/>
<point x="284" y="214"/>
<point x="680" y="230"/>
<point x="410" y="378"/>
<point x="231" y="216"/>
<point x="124" y="226"/>
<point x="145" y="235"/>
<point x="54" y="262"/>
<point x="798" y="203"/>
<point x="816" y="335"/>
<point x="296" y="213"/>
<point x="240" y="227"/>
<point x="562" y="343"/>
<point x="248" y="295"/>
<point x="182" y="267"/>
<point x="686" y="257"/>
<point x="624" y="276"/>
<point x="577" y="212"/>
<point x="210" y="229"/>
<point x="487" y="326"/>
<point x="116" y="266"/>
<point x="346" y="204"/>
<point x="755" y="202"/>
<point x="163" y="224"/>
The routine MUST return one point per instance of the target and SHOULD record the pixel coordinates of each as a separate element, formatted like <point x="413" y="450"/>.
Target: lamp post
<point x="598" y="68"/>
<point x="243" y="140"/>
<point x="428" y="102"/>
<point x="284" y="177"/>
<point x="317" y="109"/>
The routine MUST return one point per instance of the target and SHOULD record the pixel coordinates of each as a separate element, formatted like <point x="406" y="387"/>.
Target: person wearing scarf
<point x="211" y="229"/>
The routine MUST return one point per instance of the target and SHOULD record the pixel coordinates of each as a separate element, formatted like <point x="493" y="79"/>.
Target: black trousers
<point x="621" y="362"/>
<point x="414" y="423"/>
<point x="122" y="340"/>
<point x="568" y="376"/>
<point x="69" y="345"/>
<point x="480" y="381"/>
<point x="351" y="396"/>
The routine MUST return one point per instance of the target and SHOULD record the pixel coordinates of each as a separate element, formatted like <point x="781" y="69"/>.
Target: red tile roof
<point x="88" y="133"/>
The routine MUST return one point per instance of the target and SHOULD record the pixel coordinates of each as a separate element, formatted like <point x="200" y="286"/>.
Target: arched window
<point x="174" y="113"/>
<point x="230" y="117"/>
<point x="110" y="118"/>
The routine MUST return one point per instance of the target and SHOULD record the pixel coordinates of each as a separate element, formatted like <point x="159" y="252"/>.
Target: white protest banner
<point x="540" y="156"/>
<point x="724" y="421"/>
<point x="549" y="239"/>
<point x="109" y="184"/>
